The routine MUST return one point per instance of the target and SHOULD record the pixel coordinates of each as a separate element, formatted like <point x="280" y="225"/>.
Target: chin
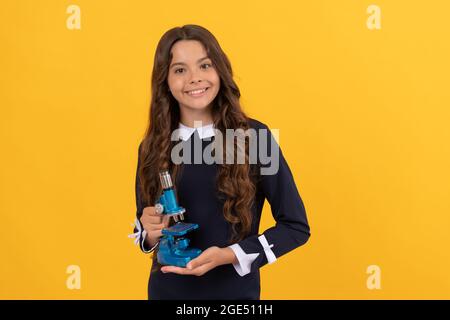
<point x="197" y="106"/>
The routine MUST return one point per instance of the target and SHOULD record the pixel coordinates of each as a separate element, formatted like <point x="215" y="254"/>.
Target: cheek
<point x="175" y="85"/>
<point x="215" y="80"/>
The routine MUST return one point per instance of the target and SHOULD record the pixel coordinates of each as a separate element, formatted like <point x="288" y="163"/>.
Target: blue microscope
<point x="173" y="246"/>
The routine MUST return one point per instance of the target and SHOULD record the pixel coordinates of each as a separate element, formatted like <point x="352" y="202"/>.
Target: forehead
<point x="187" y="51"/>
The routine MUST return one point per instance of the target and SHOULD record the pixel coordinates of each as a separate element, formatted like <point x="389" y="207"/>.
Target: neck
<point x="189" y="116"/>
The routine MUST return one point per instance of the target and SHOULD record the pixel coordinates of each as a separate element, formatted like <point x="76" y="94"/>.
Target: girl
<point x="192" y="81"/>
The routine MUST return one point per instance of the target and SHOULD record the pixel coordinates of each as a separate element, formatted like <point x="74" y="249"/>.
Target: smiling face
<point x="192" y="78"/>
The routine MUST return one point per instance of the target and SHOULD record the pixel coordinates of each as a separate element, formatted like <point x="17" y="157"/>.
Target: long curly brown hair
<point x="235" y="185"/>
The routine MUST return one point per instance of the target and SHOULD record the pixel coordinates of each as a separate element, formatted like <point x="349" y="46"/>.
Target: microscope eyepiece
<point x="166" y="180"/>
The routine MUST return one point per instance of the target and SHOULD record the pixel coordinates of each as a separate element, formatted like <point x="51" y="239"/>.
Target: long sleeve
<point x="291" y="229"/>
<point x="139" y="232"/>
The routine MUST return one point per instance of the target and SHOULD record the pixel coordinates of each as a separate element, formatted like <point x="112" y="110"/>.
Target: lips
<point x="197" y="92"/>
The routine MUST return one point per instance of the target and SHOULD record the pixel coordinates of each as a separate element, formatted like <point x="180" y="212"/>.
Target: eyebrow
<point x="183" y="64"/>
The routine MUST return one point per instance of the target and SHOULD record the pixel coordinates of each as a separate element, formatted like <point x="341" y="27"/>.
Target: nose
<point x="195" y="78"/>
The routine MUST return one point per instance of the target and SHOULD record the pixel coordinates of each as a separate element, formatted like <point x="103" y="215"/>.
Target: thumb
<point x="166" y="220"/>
<point x="201" y="259"/>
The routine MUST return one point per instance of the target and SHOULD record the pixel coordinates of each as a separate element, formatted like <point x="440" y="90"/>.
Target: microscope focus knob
<point x="159" y="208"/>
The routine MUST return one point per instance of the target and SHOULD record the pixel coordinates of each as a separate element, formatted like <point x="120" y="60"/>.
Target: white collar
<point x="185" y="132"/>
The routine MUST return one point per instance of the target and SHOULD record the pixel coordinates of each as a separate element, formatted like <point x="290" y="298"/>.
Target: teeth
<point x="197" y="91"/>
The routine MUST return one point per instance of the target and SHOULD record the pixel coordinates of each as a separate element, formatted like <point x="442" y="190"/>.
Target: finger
<point x="201" y="270"/>
<point x="153" y="226"/>
<point x="150" y="211"/>
<point x="152" y="219"/>
<point x="166" y="220"/>
<point x="197" y="262"/>
<point x="177" y="270"/>
<point x="154" y="234"/>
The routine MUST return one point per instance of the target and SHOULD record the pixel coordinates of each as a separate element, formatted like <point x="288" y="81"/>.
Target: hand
<point x="207" y="260"/>
<point x="153" y="223"/>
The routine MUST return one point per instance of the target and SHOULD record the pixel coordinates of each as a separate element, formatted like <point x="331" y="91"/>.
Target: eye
<point x="176" y="70"/>
<point x="206" y="64"/>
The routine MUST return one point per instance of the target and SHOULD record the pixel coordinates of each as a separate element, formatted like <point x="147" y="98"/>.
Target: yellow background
<point x="363" y="118"/>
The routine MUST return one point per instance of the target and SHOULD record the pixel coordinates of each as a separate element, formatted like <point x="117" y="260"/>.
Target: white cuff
<point x="243" y="266"/>
<point x="144" y="235"/>
<point x="141" y="235"/>
<point x="271" y="258"/>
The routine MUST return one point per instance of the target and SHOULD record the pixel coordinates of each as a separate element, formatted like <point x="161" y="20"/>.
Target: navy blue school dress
<point x="196" y="192"/>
